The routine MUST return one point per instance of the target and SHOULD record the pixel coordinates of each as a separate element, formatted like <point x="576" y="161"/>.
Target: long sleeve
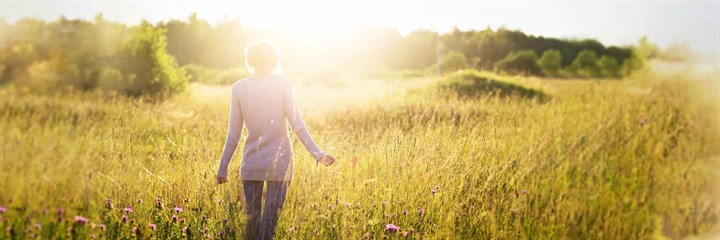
<point x="235" y="125"/>
<point x="294" y="117"/>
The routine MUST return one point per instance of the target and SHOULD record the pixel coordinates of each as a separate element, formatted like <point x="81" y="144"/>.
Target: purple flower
<point x="405" y="212"/>
<point x="174" y="218"/>
<point x="124" y="218"/>
<point x="383" y="203"/>
<point x="405" y="233"/>
<point x="391" y="228"/>
<point x="60" y="212"/>
<point x="37" y="226"/>
<point x="102" y="227"/>
<point x="136" y="231"/>
<point x="3" y="209"/>
<point x="152" y="226"/>
<point x="127" y="209"/>
<point x="81" y="220"/>
<point x="421" y="211"/>
<point x="225" y="220"/>
<point x="186" y="230"/>
<point x="644" y="121"/>
<point x="139" y="200"/>
<point x="178" y="209"/>
<point x="204" y="218"/>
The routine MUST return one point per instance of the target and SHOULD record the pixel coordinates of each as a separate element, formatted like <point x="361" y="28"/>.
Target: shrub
<point x="206" y="75"/>
<point x="608" y="66"/>
<point x="453" y="61"/>
<point x="522" y="62"/>
<point x="585" y="64"/>
<point x="550" y="62"/>
<point x="144" y="55"/>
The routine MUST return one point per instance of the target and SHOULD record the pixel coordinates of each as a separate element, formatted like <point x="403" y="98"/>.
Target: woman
<point x="263" y="102"/>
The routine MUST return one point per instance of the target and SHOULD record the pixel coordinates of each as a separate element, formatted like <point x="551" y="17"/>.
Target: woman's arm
<point x="235" y="125"/>
<point x="294" y="117"/>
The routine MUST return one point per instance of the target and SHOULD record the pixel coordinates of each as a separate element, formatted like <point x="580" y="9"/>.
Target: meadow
<point x="473" y="155"/>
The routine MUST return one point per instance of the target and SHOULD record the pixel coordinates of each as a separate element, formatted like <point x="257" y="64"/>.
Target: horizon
<point x="696" y="23"/>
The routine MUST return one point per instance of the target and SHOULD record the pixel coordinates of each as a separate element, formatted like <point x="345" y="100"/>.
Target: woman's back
<point x="263" y="105"/>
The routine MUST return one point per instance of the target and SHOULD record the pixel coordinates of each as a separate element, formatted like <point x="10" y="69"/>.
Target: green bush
<point x="144" y="56"/>
<point x="585" y="64"/>
<point x="522" y="62"/>
<point x="550" y="62"/>
<point x="453" y="61"/>
<point x="608" y="66"/>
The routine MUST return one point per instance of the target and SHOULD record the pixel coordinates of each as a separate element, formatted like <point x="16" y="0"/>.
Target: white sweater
<point x="263" y="105"/>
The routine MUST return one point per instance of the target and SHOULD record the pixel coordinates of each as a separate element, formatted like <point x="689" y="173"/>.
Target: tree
<point x="550" y="62"/>
<point x="522" y="62"/>
<point x="608" y="66"/>
<point x="585" y="63"/>
<point x="144" y="56"/>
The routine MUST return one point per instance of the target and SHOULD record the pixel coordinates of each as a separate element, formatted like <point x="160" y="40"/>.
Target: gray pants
<point x="261" y="225"/>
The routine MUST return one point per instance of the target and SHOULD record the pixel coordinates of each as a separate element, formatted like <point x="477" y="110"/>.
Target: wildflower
<point x="434" y="191"/>
<point x="136" y="231"/>
<point x="93" y="236"/>
<point x="102" y="227"/>
<point x="391" y="228"/>
<point x="421" y="211"/>
<point x="220" y="200"/>
<point x="108" y="203"/>
<point x="152" y="226"/>
<point x="405" y="212"/>
<point x="3" y="209"/>
<point x="127" y="210"/>
<point x="37" y="226"/>
<point x="187" y="200"/>
<point x="124" y="218"/>
<point x="644" y="121"/>
<point x="60" y="212"/>
<point x="383" y="203"/>
<point x="204" y="218"/>
<point x="81" y="220"/>
<point x="178" y="209"/>
<point x="225" y="220"/>
<point x="139" y="200"/>
<point x="208" y="236"/>
<point x="348" y="205"/>
<point x="186" y="230"/>
<point x="354" y="161"/>
<point x="405" y="234"/>
<point x="291" y="229"/>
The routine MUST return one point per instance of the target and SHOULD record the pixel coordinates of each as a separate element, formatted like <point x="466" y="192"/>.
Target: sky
<point x="610" y="22"/>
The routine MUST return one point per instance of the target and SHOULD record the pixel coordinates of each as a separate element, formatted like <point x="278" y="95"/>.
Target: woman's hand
<point x="221" y="179"/>
<point x="327" y="160"/>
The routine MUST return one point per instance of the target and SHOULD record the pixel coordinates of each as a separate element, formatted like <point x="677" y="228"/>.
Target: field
<point x="470" y="156"/>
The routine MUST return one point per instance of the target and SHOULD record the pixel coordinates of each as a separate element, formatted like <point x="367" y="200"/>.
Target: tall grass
<point x="588" y="160"/>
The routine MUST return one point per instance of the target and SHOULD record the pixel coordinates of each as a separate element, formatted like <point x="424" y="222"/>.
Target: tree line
<point x="162" y="58"/>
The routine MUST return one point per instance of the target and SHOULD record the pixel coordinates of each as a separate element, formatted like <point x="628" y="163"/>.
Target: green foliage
<point x="585" y="64"/>
<point x="636" y="63"/>
<point x="453" y="61"/>
<point x="550" y="62"/>
<point x="522" y="62"/>
<point x="145" y="57"/>
<point x="608" y="66"/>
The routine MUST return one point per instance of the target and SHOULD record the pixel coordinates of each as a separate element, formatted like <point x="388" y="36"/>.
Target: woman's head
<point x="262" y="57"/>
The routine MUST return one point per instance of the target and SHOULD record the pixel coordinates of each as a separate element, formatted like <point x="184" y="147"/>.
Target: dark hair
<point x="262" y="56"/>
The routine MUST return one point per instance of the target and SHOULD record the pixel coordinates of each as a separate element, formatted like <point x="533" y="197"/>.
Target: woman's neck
<point x="259" y="76"/>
